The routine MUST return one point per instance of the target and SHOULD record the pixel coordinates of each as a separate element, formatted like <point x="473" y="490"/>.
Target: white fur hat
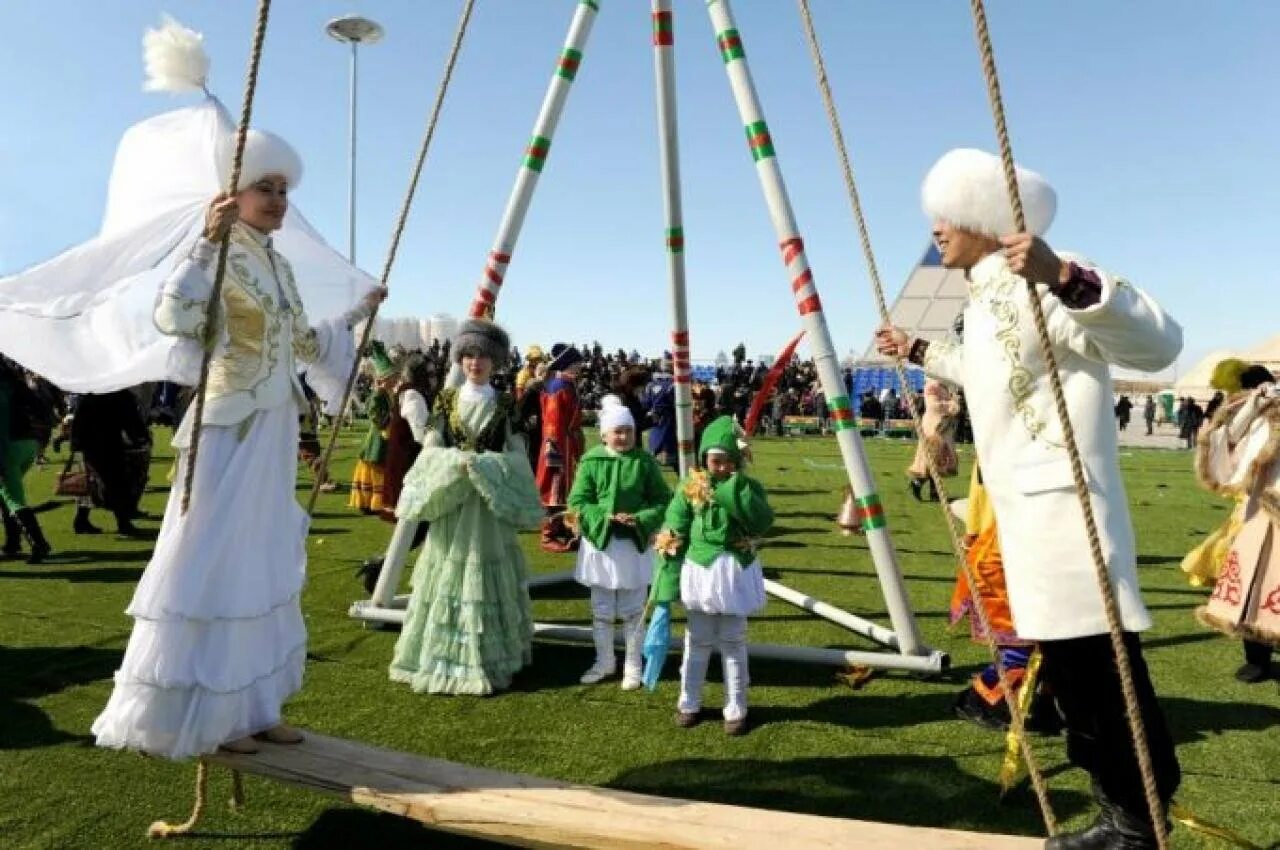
<point x="264" y="153"/>
<point x="966" y="188"/>
<point x="614" y="414"/>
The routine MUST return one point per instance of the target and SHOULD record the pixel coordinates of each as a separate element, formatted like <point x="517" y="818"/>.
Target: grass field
<point x="890" y="751"/>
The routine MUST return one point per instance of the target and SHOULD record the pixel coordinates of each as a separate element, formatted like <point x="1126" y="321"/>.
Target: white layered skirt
<point x="619" y="566"/>
<point x="218" y="642"/>
<point x="724" y="587"/>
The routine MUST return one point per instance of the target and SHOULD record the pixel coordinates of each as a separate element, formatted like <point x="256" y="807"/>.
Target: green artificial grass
<point x="891" y="751"/>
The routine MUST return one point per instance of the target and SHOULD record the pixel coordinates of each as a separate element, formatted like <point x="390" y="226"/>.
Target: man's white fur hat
<point x="966" y="188"/>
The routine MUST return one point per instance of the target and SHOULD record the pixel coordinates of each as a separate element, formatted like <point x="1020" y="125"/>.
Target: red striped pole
<point x="664" y="65"/>
<point x="485" y="300"/>
<point x="809" y="306"/>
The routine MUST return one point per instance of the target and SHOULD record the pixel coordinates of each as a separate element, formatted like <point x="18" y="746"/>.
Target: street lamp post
<point x="353" y="30"/>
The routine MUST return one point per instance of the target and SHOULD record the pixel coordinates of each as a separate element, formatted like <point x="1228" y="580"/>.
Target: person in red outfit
<point x="562" y="444"/>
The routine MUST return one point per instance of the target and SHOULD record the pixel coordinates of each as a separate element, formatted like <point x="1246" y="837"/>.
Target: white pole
<point x="805" y="290"/>
<point x="535" y="156"/>
<point x="351" y="158"/>
<point x="664" y="64"/>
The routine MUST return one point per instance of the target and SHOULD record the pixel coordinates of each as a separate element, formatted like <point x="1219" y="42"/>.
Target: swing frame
<point x="902" y="647"/>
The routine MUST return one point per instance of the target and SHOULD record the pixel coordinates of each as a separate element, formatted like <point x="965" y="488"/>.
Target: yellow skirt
<point x="1203" y="564"/>
<point x="366" y="488"/>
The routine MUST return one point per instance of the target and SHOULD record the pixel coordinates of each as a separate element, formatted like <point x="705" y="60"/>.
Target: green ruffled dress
<point x="469" y="624"/>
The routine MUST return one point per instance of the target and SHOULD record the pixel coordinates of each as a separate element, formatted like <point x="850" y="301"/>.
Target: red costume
<point x="562" y="441"/>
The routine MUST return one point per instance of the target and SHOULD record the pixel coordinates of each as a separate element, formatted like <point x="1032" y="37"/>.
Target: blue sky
<point x="1156" y="122"/>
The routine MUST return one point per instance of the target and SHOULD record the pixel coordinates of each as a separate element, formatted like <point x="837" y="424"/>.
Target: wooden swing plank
<point x="527" y="811"/>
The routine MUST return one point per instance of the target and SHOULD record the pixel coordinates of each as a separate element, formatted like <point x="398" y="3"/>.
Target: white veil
<point x="83" y="319"/>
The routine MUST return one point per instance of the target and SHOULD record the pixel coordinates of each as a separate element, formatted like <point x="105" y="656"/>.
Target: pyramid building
<point x="929" y="302"/>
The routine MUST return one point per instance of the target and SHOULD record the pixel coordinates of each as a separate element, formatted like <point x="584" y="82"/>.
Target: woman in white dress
<point x="218" y="642"/>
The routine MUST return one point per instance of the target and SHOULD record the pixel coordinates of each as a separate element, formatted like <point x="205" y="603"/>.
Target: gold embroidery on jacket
<point x="999" y="298"/>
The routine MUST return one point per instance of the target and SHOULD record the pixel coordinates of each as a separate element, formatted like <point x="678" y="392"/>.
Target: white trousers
<point x="610" y="605"/>
<point x="727" y="634"/>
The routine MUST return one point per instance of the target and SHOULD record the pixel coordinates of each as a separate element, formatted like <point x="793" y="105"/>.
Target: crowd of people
<point x="219" y="641"/>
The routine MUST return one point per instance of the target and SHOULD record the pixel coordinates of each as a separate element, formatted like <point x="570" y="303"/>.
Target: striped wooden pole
<point x="535" y="157"/>
<point x="664" y="64"/>
<point x="805" y="290"/>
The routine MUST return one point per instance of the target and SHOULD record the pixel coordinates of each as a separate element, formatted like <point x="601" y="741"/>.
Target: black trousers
<point x="1082" y="674"/>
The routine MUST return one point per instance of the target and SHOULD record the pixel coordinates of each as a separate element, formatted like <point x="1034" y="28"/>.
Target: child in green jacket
<point x="708" y="558"/>
<point x="617" y="502"/>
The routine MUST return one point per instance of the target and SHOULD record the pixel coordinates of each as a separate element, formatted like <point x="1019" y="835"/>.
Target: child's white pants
<point x="727" y="634"/>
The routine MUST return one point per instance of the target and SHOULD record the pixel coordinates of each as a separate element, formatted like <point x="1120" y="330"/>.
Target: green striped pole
<point x="534" y="160"/>
<point x="664" y="65"/>
<point x="805" y="290"/>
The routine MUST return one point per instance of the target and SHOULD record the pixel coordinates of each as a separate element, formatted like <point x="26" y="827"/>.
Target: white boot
<point x="633" y="661"/>
<point x="606" y="662"/>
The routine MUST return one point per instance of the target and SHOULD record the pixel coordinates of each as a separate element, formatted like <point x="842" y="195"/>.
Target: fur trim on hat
<point x="264" y="154"/>
<point x="966" y="188"/>
<point x="481" y="336"/>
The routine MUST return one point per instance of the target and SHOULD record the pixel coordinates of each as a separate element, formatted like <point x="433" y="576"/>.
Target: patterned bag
<point x="73" y="480"/>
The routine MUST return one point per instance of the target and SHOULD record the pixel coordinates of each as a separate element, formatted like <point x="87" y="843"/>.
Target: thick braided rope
<point x="1077" y="469"/>
<point x="365" y="335"/>
<point x="163" y="829"/>
<point x="215" y="295"/>
<point x="957" y="544"/>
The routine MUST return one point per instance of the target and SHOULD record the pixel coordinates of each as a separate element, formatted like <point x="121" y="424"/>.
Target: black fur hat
<point x="481" y="336"/>
<point x="1255" y="376"/>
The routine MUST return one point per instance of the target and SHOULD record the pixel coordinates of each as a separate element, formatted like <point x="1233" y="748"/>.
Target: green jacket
<point x="734" y="519"/>
<point x="374" y="448"/>
<point x="607" y="484"/>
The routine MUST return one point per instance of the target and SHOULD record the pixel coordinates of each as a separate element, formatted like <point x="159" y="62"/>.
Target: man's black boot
<point x="1099" y="835"/>
<point x="40" y="548"/>
<point x="12" y="534"/>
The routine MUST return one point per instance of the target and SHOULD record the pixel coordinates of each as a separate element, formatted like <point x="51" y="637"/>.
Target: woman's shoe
<point x="245" y="746"/>
<point x="281" y="734"/>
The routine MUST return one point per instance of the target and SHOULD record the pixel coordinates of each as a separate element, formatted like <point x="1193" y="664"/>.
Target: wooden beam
<point x="526" y="811"/>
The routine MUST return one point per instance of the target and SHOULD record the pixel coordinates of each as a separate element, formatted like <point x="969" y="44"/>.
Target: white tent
<point x="411" y="333"/>
<point x="1268" y="354"/>
<point x="1195" y="382"/>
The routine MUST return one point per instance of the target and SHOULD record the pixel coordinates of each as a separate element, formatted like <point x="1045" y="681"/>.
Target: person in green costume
<point x="23" y="421"/>
<point x="469" y="623"/>
<point x="367" y="480"/>
<point x="708" y="558"/>
<point x="617" y="502"/>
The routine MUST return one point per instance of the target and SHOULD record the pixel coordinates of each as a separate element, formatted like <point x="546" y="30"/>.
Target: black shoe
<point x="40" y="548"/>
<point x="970" y="706"/>
<point x="1251" y="674"/>
<point x="82" y="524"/>
<point x="916" y="484"/>
<point x="368" y="574"/>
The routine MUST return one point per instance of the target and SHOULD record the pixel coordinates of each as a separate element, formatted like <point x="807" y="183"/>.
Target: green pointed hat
<point x="721" y="435"/>
<point x="382" y="365"/>
<point x="1226" y="375"/>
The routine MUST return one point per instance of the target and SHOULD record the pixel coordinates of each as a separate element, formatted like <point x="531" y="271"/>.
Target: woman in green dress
<point x="469" y="624"/>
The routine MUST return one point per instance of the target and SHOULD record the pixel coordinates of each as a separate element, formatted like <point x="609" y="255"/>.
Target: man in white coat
<point x="1095" y="319"/>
